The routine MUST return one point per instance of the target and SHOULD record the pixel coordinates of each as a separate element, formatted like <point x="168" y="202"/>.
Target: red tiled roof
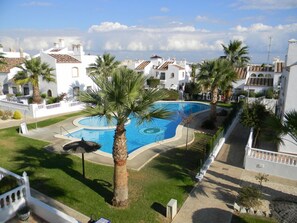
<point x="258" y="68"/>
<point x="253" y="81"/>
<point x="142" y="65"/>
<point x="278" y="67"/>
<point x="64" y="58"/>
<point x="164" y="66"/>
<point x="10" y="63"/>
<point x="241" y="72"/>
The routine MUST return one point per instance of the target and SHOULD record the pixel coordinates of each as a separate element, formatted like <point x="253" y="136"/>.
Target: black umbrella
<point x="82" y="147"/>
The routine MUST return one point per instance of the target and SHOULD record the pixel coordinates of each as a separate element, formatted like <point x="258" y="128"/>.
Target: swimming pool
<point x="138" y="135"/>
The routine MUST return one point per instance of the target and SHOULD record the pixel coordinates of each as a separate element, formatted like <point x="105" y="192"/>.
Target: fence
<point x="12" y="200"/>
<point x="42" y="110"/>
<point x="273" y="163"/>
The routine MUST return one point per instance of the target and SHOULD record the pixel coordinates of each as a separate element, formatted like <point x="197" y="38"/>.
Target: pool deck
<point x="135" y="162"/>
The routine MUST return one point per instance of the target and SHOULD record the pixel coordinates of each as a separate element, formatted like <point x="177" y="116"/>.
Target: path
<point x="211" y="199"/>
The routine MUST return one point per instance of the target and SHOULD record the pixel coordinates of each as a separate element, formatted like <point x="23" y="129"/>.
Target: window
<point x="157" y="74"/>
<point x="162" y="76"/>
<point x="75" y="72"/>
<point x="49" y="93"/>
<point x="89" y="89"/>
<point x="14" y="90"/>
<point x="75" y="91"/>
<point x="26" y="90"/>
<point x="260" y="75"/>
<point x="172" y="75"/>
<point x="268" y="75"/>
<point x="253" y="75"/>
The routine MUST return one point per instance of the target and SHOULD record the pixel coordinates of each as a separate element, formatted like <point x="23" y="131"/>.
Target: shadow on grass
<point x="33" y="160"/>
<point x="159" y="208"/>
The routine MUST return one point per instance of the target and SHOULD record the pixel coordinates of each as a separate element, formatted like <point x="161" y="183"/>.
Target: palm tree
<point x="281" y="127"/>
<point x="104" y="65"/>
<point x="236" y="53"/>
<point x="30" y="73"/>
<point x="254" y="116"/>
<point x="213" y="75"/>
<point x="120" y="96"/>
<point x="194" y="67"/>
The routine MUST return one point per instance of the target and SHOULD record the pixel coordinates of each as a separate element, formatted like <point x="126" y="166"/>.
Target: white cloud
<point x="107" y="27"/>
<point x="200" y="18"/>
<point x="112" y="45"/>
<point x="164" y="9"/>
<point x="266" y="4"/>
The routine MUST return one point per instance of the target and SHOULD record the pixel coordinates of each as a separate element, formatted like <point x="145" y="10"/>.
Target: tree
<point x="236" y="53"/>
<point x="30" y="73"/>
<point x="213" y="75"/>
<point x="253" y="116"/>
<point x="194" y="67"/>
<point x="104" y="65"/>
<point x="281" y="127"/>
<point x="120" y="96"/>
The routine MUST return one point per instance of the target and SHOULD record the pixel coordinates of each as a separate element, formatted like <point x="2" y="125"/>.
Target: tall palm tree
<point x="120" y="96"/>
<point x="104" y="65"/>
<point x="30" y="73"/>
<point x="194" y="67"/>
<point x="281" y="127"/>
<point x="236" y="53"/>
<point x="213" y="75"/>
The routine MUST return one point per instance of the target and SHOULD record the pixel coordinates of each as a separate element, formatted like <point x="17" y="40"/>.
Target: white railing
<point x="12" y="200"/>
<point x="269" y="162"/>
<point x="273" y="156"/>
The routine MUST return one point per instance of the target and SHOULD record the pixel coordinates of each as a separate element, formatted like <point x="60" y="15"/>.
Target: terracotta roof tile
<point x="253" y="81"/>
<point x="258" y="68"/>
<point x="241" y="72"/>
<point x="164" y="66"/>
<point x="10" y="63"/>
<point x="64" y="58"/>
<point x="142" y="65"/>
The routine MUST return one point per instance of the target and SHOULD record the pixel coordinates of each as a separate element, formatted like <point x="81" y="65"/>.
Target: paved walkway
<point x="211" y="199"/>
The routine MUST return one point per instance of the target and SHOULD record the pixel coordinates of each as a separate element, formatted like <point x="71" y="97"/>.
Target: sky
<point x="183" y="29"/>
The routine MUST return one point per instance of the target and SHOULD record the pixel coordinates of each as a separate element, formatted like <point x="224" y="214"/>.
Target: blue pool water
<point x="140" y="135"/>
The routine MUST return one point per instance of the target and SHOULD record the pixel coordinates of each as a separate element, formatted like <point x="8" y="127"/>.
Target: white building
<point x="258" y="78"/>
<point x="288" y="93"/>
<point x="172" y="74"/>
<point x="12" y="59"/>
<point x="70" y="70"/>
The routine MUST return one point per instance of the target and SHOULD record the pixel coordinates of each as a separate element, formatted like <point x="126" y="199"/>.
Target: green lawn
<point x="170" y="175"/>
<point x="247" y="218"/>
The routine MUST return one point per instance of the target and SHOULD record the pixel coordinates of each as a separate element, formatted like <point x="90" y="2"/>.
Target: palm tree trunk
<point x="213" y="104"/>
<point x="120" y="192"/>
<point x="256" y="137"/>
<point x="36" y="95"/>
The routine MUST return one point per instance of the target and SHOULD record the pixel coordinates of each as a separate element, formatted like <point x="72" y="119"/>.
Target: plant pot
<point x="23" y="213"/>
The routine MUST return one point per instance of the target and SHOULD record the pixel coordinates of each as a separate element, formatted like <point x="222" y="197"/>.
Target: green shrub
<point x="260" y="94"/>
<point x="51" y="100"/>
<point x="1" y="113"/>
<point x="17" y="115"/>
<point x="208" y="124"/>
<point x="172" y="95"/>
<point x="269" y="93"/>
<point x="7" y="183"/>
<point x="249" y="196"/>
<point x="43" y="95"/>
<point x="153" y="83"/>
<point x="30" y="100"/>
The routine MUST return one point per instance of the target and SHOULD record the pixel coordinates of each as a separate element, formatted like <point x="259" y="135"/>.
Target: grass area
<point x="247" y="218"/>
<point x="170" y="175"/>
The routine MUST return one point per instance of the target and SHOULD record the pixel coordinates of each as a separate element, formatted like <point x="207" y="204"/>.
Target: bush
<point x="7" y="183"/>
<point x="51" y="100"/>
<point x="153" y="83"/>
<point x="172" y="95"/>
<point x="43" y="95"/>
<point x="17" y="115"/>
<point x="249" y="196"/>
<point x="208" y="124"/>
<point x="1" y="112"/>
<point x="269" y="93"/>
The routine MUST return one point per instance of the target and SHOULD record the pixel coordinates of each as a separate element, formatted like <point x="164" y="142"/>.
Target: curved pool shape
<point x="96" y="121"/>
<point x="145" y="133"/>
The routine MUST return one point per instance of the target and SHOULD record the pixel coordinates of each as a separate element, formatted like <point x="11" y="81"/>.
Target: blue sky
<point x="190" y="29"/>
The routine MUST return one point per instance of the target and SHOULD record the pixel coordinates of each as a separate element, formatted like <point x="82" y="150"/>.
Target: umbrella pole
<point x="83" y="163"/>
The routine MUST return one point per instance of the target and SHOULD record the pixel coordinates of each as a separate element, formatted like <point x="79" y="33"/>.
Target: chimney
<point x="1" y="48"/>
<point x="21" y="53"/>
<point x="62" y="43"/>
<point x="56" y="45"/>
